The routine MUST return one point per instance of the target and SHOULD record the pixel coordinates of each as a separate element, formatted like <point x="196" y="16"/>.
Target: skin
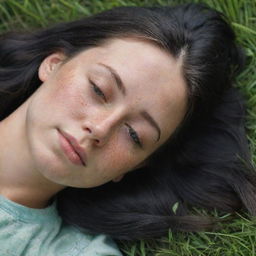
<point x="33" y="168"/>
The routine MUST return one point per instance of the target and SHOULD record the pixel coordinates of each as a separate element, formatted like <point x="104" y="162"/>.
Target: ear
<point x="142" y="164"/>
<point x="49" y="65"/>
<point x="117" y="179"/>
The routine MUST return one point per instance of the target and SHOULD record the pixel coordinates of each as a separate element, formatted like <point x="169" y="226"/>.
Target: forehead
<point x="152" y="77"/>
<point x="141" y="57"/>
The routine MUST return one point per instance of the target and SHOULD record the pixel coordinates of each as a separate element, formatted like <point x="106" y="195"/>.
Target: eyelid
<point x="138" y="143"/>
<point x="97" y="88"/>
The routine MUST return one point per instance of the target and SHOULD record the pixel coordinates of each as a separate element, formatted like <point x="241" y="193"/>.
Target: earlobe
<point x="49" y="65"/>
<point x="142" y="164"/>
<point x="117" y="179"/>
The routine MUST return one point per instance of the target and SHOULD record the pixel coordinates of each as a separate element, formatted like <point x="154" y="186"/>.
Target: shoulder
<point x="102" y="245"/>
<point x="88" y="244"/>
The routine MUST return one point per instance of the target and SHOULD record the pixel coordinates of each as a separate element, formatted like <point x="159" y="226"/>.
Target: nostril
<point x="97" y="141"/>
<point x="89" y="130"/>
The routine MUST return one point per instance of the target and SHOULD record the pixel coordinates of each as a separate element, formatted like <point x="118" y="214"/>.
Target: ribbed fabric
<point x="27" y="231"/>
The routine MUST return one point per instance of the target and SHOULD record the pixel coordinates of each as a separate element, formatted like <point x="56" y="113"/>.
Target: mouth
<point x="72" y="149"/>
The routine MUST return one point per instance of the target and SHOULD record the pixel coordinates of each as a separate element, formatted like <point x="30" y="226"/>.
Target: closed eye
<point x="134" y="136"/>
<point x="98" y="91"/>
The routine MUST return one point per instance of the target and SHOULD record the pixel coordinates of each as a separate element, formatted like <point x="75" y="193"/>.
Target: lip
<point x="73" y="150"/>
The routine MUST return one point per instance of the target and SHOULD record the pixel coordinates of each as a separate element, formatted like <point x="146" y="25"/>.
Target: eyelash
<point x="134" y="136"/>
<point x="132" y="132"/>
<point x="98" y="91"/>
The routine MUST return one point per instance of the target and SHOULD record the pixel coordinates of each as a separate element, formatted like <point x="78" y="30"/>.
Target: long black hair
<point x="205" y="163"/>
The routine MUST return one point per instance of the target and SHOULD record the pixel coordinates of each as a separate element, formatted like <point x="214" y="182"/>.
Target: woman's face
<point x="120" y="101"/>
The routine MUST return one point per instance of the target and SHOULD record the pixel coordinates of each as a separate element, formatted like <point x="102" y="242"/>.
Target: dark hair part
<point x="200" y="165"/>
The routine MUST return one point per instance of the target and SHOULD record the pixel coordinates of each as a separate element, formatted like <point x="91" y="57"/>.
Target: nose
<point x="101" y="128"/>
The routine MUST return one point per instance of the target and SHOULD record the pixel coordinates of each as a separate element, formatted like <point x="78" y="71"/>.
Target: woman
<point x="114" y="119"/>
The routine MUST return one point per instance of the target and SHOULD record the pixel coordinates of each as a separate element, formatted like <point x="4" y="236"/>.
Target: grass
<point x="234" y="239"/>
<point x="238" y="237"/>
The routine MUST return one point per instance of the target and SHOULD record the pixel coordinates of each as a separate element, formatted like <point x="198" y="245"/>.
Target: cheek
<point x="68" y="99"/>
<point x="118" y="157"/>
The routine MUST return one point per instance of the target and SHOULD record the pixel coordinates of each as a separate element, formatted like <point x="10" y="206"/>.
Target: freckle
<point x="119" y="160"/>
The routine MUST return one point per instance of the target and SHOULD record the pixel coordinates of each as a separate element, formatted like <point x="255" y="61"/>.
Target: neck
<point x="26" y="197"/>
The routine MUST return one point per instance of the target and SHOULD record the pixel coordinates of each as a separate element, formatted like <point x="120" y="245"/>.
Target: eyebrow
<point x="153" y="123"/>
<point x="121" y="87"/>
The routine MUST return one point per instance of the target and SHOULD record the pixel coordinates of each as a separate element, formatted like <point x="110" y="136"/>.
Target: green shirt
<point x="27" y="231"/>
